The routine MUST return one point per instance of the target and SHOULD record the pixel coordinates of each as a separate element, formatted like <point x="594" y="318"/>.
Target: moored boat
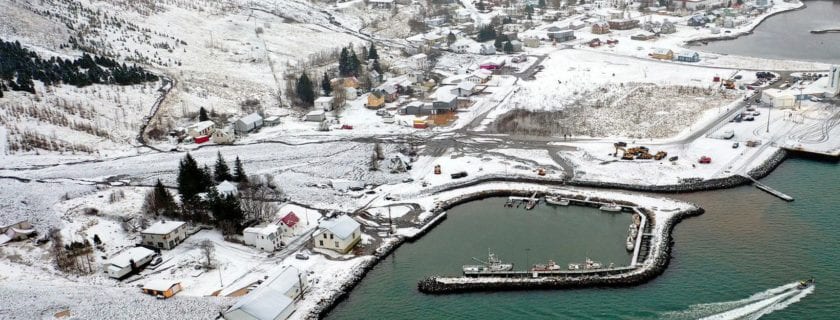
<point x="550" y="266"/>
<point x="630" y="245"/>
<point x="610" y="207"/>
<point x="557" y="200"/>
<point x="493" y="263"/>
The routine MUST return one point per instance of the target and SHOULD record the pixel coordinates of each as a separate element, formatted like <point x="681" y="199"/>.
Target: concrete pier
<point x="770" y="190"/>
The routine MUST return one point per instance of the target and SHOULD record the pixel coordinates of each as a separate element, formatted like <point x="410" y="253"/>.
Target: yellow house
<point x="662" y="54"/>
<point x="375" y="100"/>
<point x="161" y="288"/>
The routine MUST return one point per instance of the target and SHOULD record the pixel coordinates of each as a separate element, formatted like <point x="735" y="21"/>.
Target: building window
<point x="160" y="245"/>
<point x="331" y="236"/>
<point x="321" y="243"/>
<point x="325" y="236"/>
<point x="336" y="244"/>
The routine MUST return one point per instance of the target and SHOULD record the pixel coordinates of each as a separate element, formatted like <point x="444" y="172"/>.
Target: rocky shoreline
<point x="734" y="36"/>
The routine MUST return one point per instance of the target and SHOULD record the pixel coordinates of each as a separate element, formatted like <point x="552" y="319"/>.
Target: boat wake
<point x="751" y="308"/>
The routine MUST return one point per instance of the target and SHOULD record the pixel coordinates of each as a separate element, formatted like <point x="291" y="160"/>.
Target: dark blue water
<point x="745" y="243"/>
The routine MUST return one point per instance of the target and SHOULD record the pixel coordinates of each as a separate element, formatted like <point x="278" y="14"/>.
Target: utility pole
<point x="221" y="284"/>
<point x="769" y="107"/>
<point x="390" y="222"/>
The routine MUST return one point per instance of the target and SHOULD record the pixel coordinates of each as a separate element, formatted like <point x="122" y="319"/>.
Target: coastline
<point x="733" y="36"/>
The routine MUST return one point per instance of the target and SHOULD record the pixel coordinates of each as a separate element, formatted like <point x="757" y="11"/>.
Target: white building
<point x="274" y="299"/>
<point x="462" y="45"/>
<point x="164" y="234"/>
<point x="266" y="238"/>
<point x="339" y="234"/>
<point x="316" y="116"/>
<point x="223" y="136"/>
<point x="324" y="103"/>
<point x="778" y="98"/>
<point x="289" y="224"/>
<point x="248" y="123"/>
<point x="123" y="263"/>
<point x="203" y="128"/>
<point x="227" y="188"/>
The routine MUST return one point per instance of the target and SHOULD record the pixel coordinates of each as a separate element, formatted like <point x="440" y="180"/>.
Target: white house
<point x="339" y="234"/>
<point x="487" y="49"/>
<point x="248" y="123"/>
<point x="289" y="224"/>
<point x="778" y="98"/>
<point x="266" y="238"/>
<point x="480" y="76"/>
<point x="223" y="136"/>
<point x="164" y="234"/>
<point x="203" y="128"/>
<point x="125" y="262"/>
<point x="464" y="89"/>
<point x="462" y="45"/>
<point x="324" y="103"/>
<point x="227" y="188"/>
<point x="274" y="299"/>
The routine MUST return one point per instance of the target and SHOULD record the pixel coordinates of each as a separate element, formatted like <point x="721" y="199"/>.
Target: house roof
<point x="123" y="259"/>
<point x="466" y="85"/>
<point x="269" y="300"/>
<point x="662" y="51"/>
<point x="163" y="227"/>
<point x="290" y="219"/>
<point x="444" y="96"/>
<point x="316" y="113"/>
<point x="341" y="227"/>
<point x="159" y="284"/>
<point x="251" y="118"/>
<point x="200" y="126"/>
<point x="226" y="187"/>
<point x="688" y="53"/>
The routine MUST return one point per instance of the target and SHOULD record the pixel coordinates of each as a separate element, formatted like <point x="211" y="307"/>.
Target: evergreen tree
<point x="480" y="5"/>
<point x="96" y="240"/>
<point x="190" y="179"/>
<point x="377" y="67"/>
<point x="162" y="203"/>
<point x="222" y="171"/>
<point x="353" y="63"/>
<point x="227" y="211"/>
<point x="202" y="114"/>
<point x="325" y="84"/>
<point x="486" y="33"/>
<point x="372" y="54"/>
<point x="304" y="90"/>
<point x="541" y="3"/>
<point x="239" y="172"/>
<point x="450" y="38"/>
<point x="343" y="61"/>
<point x="206" y="177"/>
<point x="508" y="47"/>
<point x="500" y="41"/>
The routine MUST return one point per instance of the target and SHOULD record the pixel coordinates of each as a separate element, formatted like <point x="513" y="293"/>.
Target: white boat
<point x="611" y="207"/>
<point x="557" y="200"/>
<point x="574" y="266"/>
<point x="591" y="265"/>
<point x="493" y="263"/>
<point x="630" y="245"/>
<point x="550" y="266"/>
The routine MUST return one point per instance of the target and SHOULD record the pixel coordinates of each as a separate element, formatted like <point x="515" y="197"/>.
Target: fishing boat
<point x="610" y="207"/>
<point x="630" y="245"/>
<point x="557" y="200"/>
<point x="574" y="266"/>
<point x="805" y="284"/>
<point x="589" y="264"/>
<point x="493" y="263"/>
<point x="531" y="204"/>
<point x="550" y="266"/>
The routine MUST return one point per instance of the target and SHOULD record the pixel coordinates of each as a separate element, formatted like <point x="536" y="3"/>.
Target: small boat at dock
<point x="557" y="201"/>
<point x="493" y="263"/>
<point x="611" y="208"/>
<point x="550" y="266"/>
<point x="630" y="245"/>
<point x="530" y="204"/>
<point x="589" y="264"/>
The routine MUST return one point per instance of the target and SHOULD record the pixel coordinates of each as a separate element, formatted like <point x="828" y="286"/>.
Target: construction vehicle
<point x="627" y="156"/>
<point x="729" y="84"/>
<point x="437" y="169"/>
<point x="660" y="155"/>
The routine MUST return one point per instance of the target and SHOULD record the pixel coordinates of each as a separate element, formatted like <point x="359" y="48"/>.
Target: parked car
<point x="674" y="158"/>
<point x="301" y="256"/>
<point x="346" y="127"/>
<point x="756" y="113"/>
<point x="736" y="145"/>
<point x="156" y="261"/>
<point x="705" y="160"/>
<point x="750" y="118"/>
<point x="459" y="175"/>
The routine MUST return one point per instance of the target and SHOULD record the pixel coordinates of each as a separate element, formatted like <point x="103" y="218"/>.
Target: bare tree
<point x="258" y="196"/>
<point x="207" y="249"/>
<point x="339" y="96"/>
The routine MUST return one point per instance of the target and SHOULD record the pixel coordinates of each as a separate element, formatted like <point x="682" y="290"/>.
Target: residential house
<point x="164" y="234"/>
<point x="412" y="108"/>
<point x="324" y="103"/>
<point x="351" y="93"/>
<point x="375" y="100"/>
<point x="688" y="56"/>
<point x="20" y="230"/>
<point x="265" y="238"/>
<point x="346" y="82"/>
<point x="223" y="136"/>
<point x="271" y="121"/>
<point x="623" y="24"/>
<point x="487" y="49"/>
<point x="435" y="21"/>
<point x="463" y="16"/>
<point x="160" y="288"/>
<point x="517" y="45"/>
<point x="289" y="223"/>
<point x="492" y="63"/>
<point x="480" y="76"/>
<point x="316" y="116"/>
<point x="433" y="39"/>
<point x="600" y="27"/>
<point x="444" y="102"/>
<point x="561" y="35"/>
<point x="128" y="261"/>
<point x="531" y="42"/>
<point x="389" y="90"/>
<point x="203" y="128"/>
<point x="667" y="27"/>
<point x="248" y="123"/>
<point x="381" y="4"/>
<point x="340" y="234"/>
<point x="662" y="54"/>
<point x="227" y="188"/>
<point x="419" y="61"/>
<point x="274" y="299"/>
<point x="464" y="89"/>
<point x="462" y="45"/>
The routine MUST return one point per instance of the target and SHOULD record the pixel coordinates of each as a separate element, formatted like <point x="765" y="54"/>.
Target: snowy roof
<point x="466" y="85"/>
<point x="201" y="126"/>
<point x="270" y="299"/>
<point x="315" y="113"/>
<point x="290" y="219"/>
<point x="163" y="227"/>
<point x="251" y="118"/>
<point x="661" y="51"/>
<point x="159" y="284"/>
<point x="323" y="99"/>
<point x="445" y="96"/>
<point x="341" y="227"/>
<point x="123" y="259"/>
<point x="688" y="53"/>
<point x="226" y="187"/>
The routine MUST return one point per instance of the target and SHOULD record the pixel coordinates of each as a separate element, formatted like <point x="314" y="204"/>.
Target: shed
<point x="248" y="123"/>
<point x="16" y="231"/>
<point x="161" y="288"/>
<point x="316" y="116"/>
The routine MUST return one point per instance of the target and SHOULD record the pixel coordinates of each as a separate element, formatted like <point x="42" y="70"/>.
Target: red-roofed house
<point x="289" y="222"/>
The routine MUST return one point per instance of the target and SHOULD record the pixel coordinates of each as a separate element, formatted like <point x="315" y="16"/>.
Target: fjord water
<point x="746" y="243"/>
<point x="788" y="36"/>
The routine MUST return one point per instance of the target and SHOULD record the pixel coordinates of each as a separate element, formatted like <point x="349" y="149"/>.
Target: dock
<point x="769" y="190"/>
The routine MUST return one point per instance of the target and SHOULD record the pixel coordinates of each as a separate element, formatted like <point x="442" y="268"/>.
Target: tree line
<point x="19" y="68"/>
